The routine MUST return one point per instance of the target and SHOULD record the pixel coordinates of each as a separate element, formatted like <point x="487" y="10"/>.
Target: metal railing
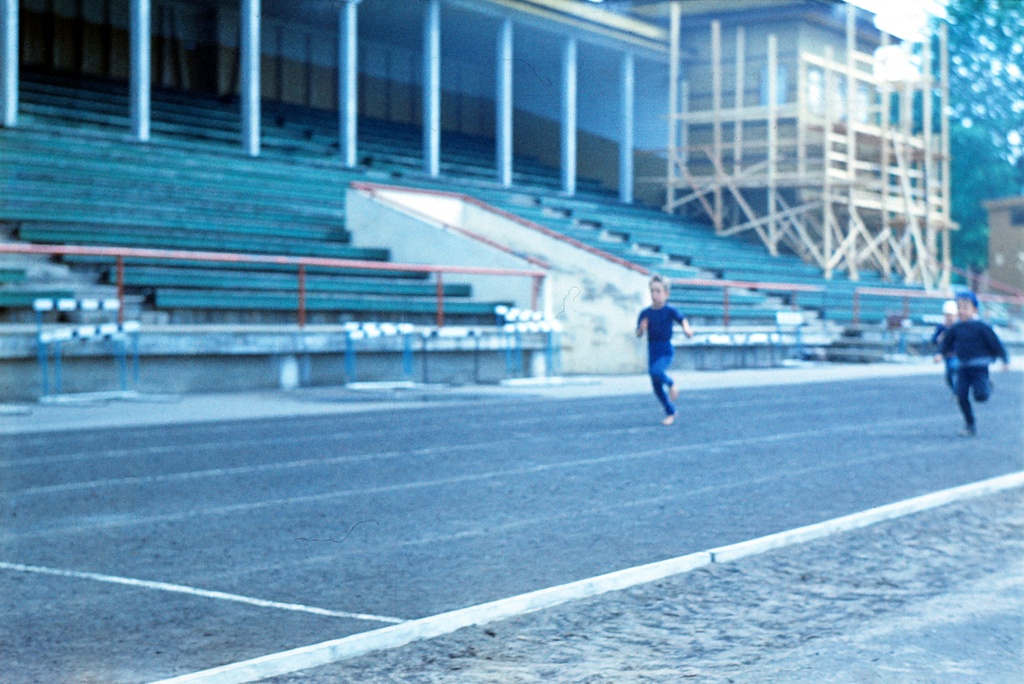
<point x="794" y="289"/>
<point x="906" y="295"/>
<point x="301" y="263"/>
<point x="983" y="282"/>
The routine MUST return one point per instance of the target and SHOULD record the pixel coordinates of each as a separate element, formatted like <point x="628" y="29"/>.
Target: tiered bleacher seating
<point x="287" y="131"/>
<point x="661" y="243"/>
<point x="193" y="188"/>
<point x="680" y="248"/>
<point x="14" y="294"/>
<point x="190" y="193"/>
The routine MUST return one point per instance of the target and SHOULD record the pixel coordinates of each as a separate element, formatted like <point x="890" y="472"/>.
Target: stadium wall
<point x="414" y="240"/>
<point x="238" y="358"/>
<point x="593" y="295"/>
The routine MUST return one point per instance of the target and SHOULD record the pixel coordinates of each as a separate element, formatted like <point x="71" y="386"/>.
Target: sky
<point x="902" y="18"/>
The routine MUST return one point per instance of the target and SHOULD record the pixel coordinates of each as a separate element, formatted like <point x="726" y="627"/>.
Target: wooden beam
<point x="773" y="140"/>
<point x="716" y="108"/>
<point x="801" y="117"/>
<point x="827" y="166"/>
<point x="851" y="124"/>
<point x="684" y="140"/>
<point x="947" y="263"/>
<point x="806" y="243"/>
<point x="927" y="94"/>
<point x="737" y="154"/>
<point x="707" y="207"/>
<point x="740" y="199"/>
<point x="886" y="174"/>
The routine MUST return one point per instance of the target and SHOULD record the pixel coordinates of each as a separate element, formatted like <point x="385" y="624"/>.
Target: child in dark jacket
<point x="975" y="346"/>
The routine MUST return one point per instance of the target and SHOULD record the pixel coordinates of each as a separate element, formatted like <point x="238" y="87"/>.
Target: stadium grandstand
<point x="455" y="190"/>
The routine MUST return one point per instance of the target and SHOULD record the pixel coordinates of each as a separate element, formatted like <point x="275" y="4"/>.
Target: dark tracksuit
<point x="975" y="346"/>
<point x="659" y="349"/>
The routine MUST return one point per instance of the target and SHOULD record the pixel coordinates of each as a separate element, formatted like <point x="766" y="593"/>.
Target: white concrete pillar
<point x="9" y="62"/>
<point x="626" y="141"/>
<point x="289" y="372"/>
<point x="432" y="88"/>
<point x="675" y="14"/>
<point x="503" y="98"/>
<point x="569" y="83"/>
<point x="139" y="69"/>
<point x="348" y="80"/>
<point x="249" y="68"/>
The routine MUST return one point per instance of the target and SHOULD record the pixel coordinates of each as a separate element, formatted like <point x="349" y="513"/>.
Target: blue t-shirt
<point x="660" y="323"/>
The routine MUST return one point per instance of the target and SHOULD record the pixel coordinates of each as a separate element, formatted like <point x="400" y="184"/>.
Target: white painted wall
<point x="595" y="300"/>
<point x="413" y="240"/>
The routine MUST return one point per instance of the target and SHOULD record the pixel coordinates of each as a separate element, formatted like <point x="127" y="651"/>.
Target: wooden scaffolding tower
<point x="844" y="166"/>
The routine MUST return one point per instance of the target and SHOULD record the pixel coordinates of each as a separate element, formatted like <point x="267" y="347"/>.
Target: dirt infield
<point x="934" y="597"/>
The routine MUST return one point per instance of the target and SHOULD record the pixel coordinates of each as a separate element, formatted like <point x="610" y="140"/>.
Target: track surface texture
<point x="936" y="597"/>
<point x="405" y="512"/>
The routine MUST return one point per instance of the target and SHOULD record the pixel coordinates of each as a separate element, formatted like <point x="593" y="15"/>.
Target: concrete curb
<point x="724" y="554"/>
<point x="327" y="652"/>
<point x="286" y="662"/>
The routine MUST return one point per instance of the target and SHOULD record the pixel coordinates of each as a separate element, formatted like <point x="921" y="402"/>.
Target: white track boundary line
<point x="846" y="523"/>
<point x="192" y="591"/>
<point x="286" y="662"/>
<point x="437" y="625"/>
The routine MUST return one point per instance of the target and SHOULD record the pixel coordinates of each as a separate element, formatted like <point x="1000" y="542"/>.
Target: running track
<point x="136" y="554"/>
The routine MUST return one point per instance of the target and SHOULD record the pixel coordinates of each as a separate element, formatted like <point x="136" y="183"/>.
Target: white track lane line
<point x="700" y="448"/>
<point x="287" y="662"/>
<point x="138" y="480"/>
<point x="575" y="514"/>
<point x="192" y="591"/>
<point x="501" y="426"/>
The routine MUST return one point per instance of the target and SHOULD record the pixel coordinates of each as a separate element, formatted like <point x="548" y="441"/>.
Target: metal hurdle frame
<point x="514" y="322"/>
<point x="511" y="324"/>
<point x="121" y="334"/>
<point x="795" y="321"/>
<point x="355" y="331"/>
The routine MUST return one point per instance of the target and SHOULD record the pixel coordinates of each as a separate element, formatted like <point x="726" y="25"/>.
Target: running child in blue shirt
<point x="657" y="321"/>
<point x="975" y="346"/>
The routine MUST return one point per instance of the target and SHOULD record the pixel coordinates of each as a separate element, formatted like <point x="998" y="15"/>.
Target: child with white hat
<point x="949" y="316"/>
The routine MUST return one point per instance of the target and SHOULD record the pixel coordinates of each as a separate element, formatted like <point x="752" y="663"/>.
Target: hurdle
<point x="515" y="322"/>
<point x="511" y="326"/>
<point x="356" y="331"/>
<point x="121" y="335"/>
<point x="791" y="320"/>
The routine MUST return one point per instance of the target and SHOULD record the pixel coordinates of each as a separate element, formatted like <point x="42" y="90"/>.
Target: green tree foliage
<point x="986" y="90"/>
<point x="979" y="171"/>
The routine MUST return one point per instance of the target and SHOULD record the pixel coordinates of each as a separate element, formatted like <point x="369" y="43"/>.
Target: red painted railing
<point x="300" y="262"/>
<point x="907" y="295"/>
<point x="985" y="282"/>
<point x="764" y="286"/>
